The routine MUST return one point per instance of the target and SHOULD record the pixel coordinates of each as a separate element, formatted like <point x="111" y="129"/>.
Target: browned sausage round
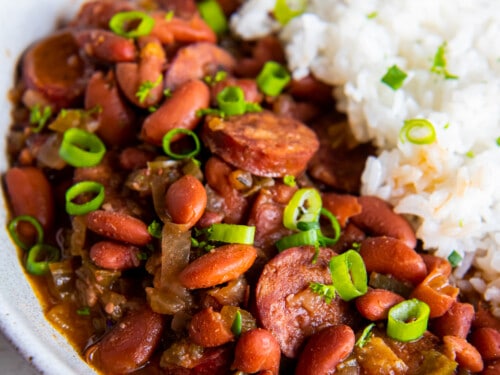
<point x="325" y="350"/>
<point x="262" y="143"/>
<point x="129" y="344"/>
<point x="286" y="305"/>
<point x="196" y="61"/>
<point x="53" y="67"/>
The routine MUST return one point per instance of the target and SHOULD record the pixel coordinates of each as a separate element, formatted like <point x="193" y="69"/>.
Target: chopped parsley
<point x="289" y="180"/>
<point x="146" y="87"/>
<point x="326" y="291"/>
<point x="394" y="77"/>
<point x="155" y="228"/>
<point x="372" y="15"/>
<point x="365" y="336"/>
<point x="439" y="63"/>
<point x="39" y="117"/>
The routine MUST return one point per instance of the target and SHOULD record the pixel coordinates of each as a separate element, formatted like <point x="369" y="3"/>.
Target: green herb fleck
<point x="237" y="323"/>
<point x="83" y="311"/>
<point x="155" y="228"/>
<point x="39" y="117"/>
<point x="394" y="77"/>
<point x="326" y="291"/>
<point x="439" y="63"/>
<point x="146" y="87"/>
<point x="167" y="93"/>
<point x="169" y="15"/>
<point x="365" y="336"/>
<point x="498" y="141"/>
<point x="470" y="154"/>
<point x="372" y="15"/>
<point x="289" y="180"/>
<point x="219" y="76"/>
<point x="454" y="258"/>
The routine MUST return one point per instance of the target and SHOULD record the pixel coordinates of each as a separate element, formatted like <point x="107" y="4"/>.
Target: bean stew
<point x="182" y="205"/>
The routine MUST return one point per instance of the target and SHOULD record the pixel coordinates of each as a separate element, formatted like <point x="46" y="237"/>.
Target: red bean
<point x="487" y="342"/>
<point x="186" y="200"/>
<point x="118" y="226"/>
<point x="325" y="350"/>
<point x="466" y="355"/>
<point x="456" y="321"/>
<point x="114" y="256"/>
<point x="375" y="304"/>
<point x="257" y="350"/>
<point x="208" y="329"/>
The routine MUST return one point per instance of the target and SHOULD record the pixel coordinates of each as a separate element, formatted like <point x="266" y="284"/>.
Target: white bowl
<point x="21" y="317"/>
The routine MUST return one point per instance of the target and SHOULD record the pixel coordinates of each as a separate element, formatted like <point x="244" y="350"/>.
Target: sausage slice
<point x="262" y="143"/>
<point x="286" y="305"/>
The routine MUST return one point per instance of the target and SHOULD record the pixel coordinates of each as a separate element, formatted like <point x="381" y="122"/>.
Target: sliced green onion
<point x="39" y="117"/>
<point x="167" y="140"/>
<point x="349" y="275"/>
<point x="213" y="15"/>
<point x="273" y="78"/>
<point x="131" y="24"/>
<point x="307" y="237"/>
<point x="305" y="205"/>
<point x="14" y="234"/>
<point x="439" y="63"/>
<point x="454" y="258"/>
<point x="394" y="77"/>
<point x="418" y="131"/>
<point x="169" y="15"/>
<point x="39" y="257"/>
<point x="232" y="233"/>
<point x="326" y="291"/>
<point x="372" y="15"/>
<point x="283" y="13"/>
<point x="289" y="180"/>
<point x="324" y="241"/>
<point x="365" y="336"/>
<point x="498" y="141"/>
<point x="219" y="76"/>
<point x="237" y="323"/>
<point x="407" y="321"/>
<point x="83" y="311"/>
<point x="79" y="148"/>
<point x="84" y="187"/>
<point x="231" y="100"/>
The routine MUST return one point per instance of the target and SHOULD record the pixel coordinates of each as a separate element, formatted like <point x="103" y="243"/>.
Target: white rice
<point x="450" y="188"/>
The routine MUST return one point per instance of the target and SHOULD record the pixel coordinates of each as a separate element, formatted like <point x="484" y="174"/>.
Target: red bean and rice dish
<point x="188" y="198"/>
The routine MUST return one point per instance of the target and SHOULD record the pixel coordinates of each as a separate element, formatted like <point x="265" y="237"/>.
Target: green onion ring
<point x="283" y="13"/>
<point x="231" y="100"/>
<point x="273" y="78"/>
<point x="407" y="321"/>
<point x="12" y="227"/>
<point x="213" y="15"/>
<point x="305" y="206"/>
<point x="167" y="140"/>
<point x="83" y="188"/>
<point x="307" y="237"/>
<point x="120" y="21"/>
<point x="39" y="257"/>
<point x="232" y="233"/>
<point x="412" y="127"/>
<point x="79" y="148"/>
<point x="349" y="275"/>
<point x="325" y="241"/>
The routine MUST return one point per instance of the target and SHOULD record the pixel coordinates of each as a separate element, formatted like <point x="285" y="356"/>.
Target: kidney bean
<point x="268" y="48"/>
<point x="114" y="256"/>
<point x="116" y="118"/>
<point x="378" y="218"/>
<point x="179" y="111"/>
<point x="436" y="291"/>
<point x="196" y="61"/>
<point x="234" y="204"/>
<point x="186" y="200"/>
<point x="311" y="89"/>
<point x="30" y="193"/>
<point x="119" y="226"/>
<point x="105" y="45"/>
<point x="325" y="350"/>
<point x="129" y="344"/>
<point x="225" y="263"/>
<point x="53" y="67"/>
<point x="132" y="76"/>
<point x="208" y="329"/>
<point x="343" y="206"/>
<point x="456" y="321"/>
<point x="466" y="355"/>
<point x="132" y="158"/>
<point x="440" y="265"/>
<point x="257" y="350"/>
<point x="375" y="304"/>
<point x="487" y="342"/>
<point x="286" y="105"/>
<point x="178" y="29"/>
<point x="484" y="317"/>
<point x="388" y="255"/>
<point x="249" y="87"/>
<point x="181" y="8"/>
